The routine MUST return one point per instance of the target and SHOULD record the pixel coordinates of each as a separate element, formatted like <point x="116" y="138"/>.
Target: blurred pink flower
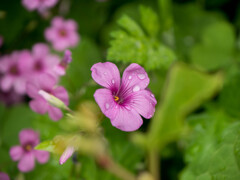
<point x="60" y="69"/>
<point x="15" y="69"/>
<point x="123" y="100"/>
<point x="25" y="153"/>
<point x="46" y="83"/>
<point x="66" y="154"/>
<point x="62" y="34"/>
<point x="4" y="176"/>
<point x="43" y="61"/>
<point x="10" y="98"/>
<point x="40" y="5"/>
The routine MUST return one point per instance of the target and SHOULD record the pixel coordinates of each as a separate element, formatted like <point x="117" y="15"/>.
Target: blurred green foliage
<point x="190" y="49"/>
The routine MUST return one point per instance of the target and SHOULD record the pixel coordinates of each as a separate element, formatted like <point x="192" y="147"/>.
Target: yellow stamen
<point x="116" y="98"/>
<point x="28" y="147"/>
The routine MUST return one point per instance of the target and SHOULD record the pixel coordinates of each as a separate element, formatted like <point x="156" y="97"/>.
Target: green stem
<point x="111" y="166"/>
<point x="154" y="164"/>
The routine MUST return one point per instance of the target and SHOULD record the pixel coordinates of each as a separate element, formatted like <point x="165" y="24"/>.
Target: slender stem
<point x="110" y="165"/>
<point x="154" y="164"/>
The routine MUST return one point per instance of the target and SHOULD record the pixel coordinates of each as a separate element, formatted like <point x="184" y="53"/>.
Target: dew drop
<point x="129" y="77"/>
<point x="152" y="95"/>
<point x="141" y="76"/>
<point x="107" y="106"/>
<point x="113" y="81"/>
<point x="136" y="88"/>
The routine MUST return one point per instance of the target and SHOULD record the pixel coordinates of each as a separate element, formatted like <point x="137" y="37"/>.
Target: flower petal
<point x="66" y="155"/>
<point x="4" y="176"/>
<point x="55" y="113"/>
<point x="61" y="93"/>
<point x="127" y="119"/>
<point x="134" y="78"/>
<point x="39" y="105"/>
<point x="32" y="90"/>
<point x="27" y="163"/>
<point x="106" y="102"/>
<point x="20" y="86"/>
<point x="40" y="50"/>
<point x="28" y="136"/>
<point x="41" y="156"/>
<point x="46" y="81"/>
<point x="16" y="152"/>
<point x="144" y="103"/>
<point x="106" y="74"/>
<point x="6" y="83"/>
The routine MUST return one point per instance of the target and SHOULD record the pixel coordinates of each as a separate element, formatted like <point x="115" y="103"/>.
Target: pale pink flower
<point x="15" y="69"/>
<point x="39" y="5"/>
<point x="62" y="34"/>
<point x="66" y="154"/>
<point x="60" y="69"/>
<point x="25" y="152"/>
<point x="123" y="101"/>
<point x="39" y="104"/>
<point x="4" y="176"/>
<point x="43" y="61"/>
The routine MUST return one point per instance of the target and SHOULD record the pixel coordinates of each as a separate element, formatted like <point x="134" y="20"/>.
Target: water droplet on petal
<point x="136" y="88"/>
<point x="116" y="106"/>
<point x="129" y="77"/>
<point x="106" y="105"/>
<point x="152" y="95"/>
<point x="113" y="81"/>
<point x="128" y="107"/>
<point x="141" y="76"/>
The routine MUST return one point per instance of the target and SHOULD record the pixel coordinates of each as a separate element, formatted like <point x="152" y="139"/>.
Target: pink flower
<point x="4" y="176"/>
<point x="15" y="69"/>
<point x="42" y="61"/>
<point x="66" y="154"/>
<point x="46" y="83"/>
<point x="62" y="34"/>
<point x="40" y="5"/>
<point x="60" y="69"/>
<point x="25" y="153"/>
<point x="123" y="101"/>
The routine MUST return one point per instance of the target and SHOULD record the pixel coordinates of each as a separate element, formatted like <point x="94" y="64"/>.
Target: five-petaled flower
<point x="46" y="83"/>
<point x="62" y="34"/>
<point x="25" y="153"/>
<point x="123" y="101"/>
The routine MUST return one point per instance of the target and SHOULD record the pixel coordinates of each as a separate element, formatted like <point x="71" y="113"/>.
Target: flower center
<point x="116" y="98"/>
<point x="28" y="147"/>
<point x="62" y="33"/>
<point x="14" y="70"/>
<point x="38" y="66"/>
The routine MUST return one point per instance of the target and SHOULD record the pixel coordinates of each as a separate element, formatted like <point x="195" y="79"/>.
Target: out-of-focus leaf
<point x="133" y="45"/>
<point x="216" y="48"/>
<point x="189" y="22"/>
<point x="16" y="119"/>
<point x="230" y="95"/>
<point x="149" y="20"/>
<point x="185" y="90"/>
<point x="84" y="56"/>
<point x="46" y="146"/>
<point x="211" y="151"/>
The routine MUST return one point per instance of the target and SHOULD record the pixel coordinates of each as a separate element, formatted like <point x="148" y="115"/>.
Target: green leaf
<point x="149" y="20"/>
<point x="185" y="90"/>
<point x="230" y="95"/>
<point x="216" y="48"/>
<point x="212" y="151"/>
<point x="132" y="45"/>
<point x="46" y="146"/>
